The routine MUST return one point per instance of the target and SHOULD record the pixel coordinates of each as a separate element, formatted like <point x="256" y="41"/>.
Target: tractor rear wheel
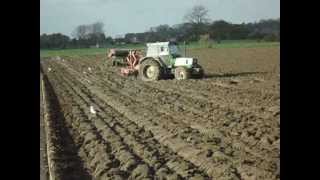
<point x="149" y="70"/>
<point x="181" y="73"/>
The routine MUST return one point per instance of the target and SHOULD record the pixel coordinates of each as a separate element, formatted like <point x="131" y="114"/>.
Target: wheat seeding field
<point x="96" y="124"/>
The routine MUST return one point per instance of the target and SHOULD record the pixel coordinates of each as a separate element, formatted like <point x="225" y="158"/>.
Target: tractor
<point x="162" y="59"/>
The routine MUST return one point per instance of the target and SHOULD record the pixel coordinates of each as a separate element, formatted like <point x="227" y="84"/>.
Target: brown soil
<point x="225" y="126"/>
<point x="43" y="154"/>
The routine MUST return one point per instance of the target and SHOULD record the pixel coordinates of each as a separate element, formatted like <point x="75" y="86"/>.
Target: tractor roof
<point x="161" y="43"/>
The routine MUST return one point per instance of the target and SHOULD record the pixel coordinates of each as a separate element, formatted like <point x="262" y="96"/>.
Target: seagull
<point x="92" y="111"/>
<point x="89" y="68"/>
<point x="49" y="69"/>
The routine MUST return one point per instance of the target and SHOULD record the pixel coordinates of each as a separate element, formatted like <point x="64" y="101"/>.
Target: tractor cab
<point x="168" y="52"/>
<point x="160" y="49"/>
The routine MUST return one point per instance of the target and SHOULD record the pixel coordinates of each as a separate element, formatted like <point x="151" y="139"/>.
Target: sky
<point x="125" y="16"/>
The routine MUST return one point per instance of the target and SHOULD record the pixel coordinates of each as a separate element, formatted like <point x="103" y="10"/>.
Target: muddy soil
<point x="225" y="126"/>
<point x="44" y="171"/>
<point x="62" y="161"/>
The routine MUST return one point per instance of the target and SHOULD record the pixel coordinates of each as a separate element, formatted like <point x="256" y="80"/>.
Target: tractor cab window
<point x="162" y="49"/>
<point x="174" y="50"/>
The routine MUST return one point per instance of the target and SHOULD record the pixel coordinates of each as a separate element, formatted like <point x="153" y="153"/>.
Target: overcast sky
<point x="123" y="16"/>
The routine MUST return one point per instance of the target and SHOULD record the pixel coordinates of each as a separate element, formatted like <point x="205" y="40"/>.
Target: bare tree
<point x="97" y="28"/>
<point x="197" y="15"/>
<point x="80" y="32"/>
<point x="85" y="31"/>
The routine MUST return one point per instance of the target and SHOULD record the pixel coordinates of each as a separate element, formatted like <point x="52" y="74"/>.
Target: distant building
<point x="95" y="46"/>
<point x="119" y="36"/>
<point x="173" y="39"/>
<point x="134" y="40"/>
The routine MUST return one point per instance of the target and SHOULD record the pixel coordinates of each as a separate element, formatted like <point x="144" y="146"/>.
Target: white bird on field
<point x="89" y="69"/>
<point x="92" y="110"/>
<point x="49" y="69"/>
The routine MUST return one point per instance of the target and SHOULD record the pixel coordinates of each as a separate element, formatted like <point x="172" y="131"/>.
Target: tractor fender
<point x="158" y="60"/>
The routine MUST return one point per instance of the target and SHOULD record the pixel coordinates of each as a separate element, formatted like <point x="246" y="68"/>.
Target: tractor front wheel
<point x="200" y="74"/>
<point x="149" y="70"/>
<point x="181" y="73"/>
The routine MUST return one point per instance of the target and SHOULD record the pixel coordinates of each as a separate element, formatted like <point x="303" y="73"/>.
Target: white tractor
<point x="164" y="59"/>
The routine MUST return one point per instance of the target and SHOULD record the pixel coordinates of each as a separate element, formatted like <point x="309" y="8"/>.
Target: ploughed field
<point x="100" y="125"/>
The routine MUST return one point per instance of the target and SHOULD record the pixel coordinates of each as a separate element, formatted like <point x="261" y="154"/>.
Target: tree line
<point x="196" y="26"/>
<point x="84" y="36"/>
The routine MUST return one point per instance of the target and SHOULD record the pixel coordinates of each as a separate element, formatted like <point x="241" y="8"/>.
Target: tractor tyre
<point x="182" y="73"/>
<point x="149" y="70"/>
